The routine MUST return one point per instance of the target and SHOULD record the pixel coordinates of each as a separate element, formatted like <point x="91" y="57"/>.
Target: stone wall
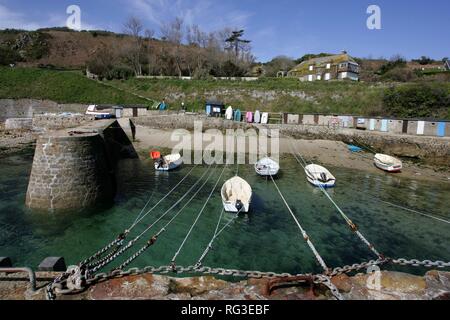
<point x="73" y="172"/>
<point x="19" y="124"/>
<point x="431" y="150"/>
<point x="69" y="172"/>
<point x="27" y="108"/>
<point x="56" y="122"/>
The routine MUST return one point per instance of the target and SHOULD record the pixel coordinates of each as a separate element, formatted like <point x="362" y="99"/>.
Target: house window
<point x="328" y="65"/>
<point x="310" y="77"/>
<point x="319" y="77"/>
<point x="311" y="68"/>
<point x="327" y="76"/>
<point x="343" y="65"/>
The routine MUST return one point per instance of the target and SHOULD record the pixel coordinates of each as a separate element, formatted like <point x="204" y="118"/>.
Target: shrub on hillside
<point x="8" y="56"/>
<point x="417" y="100"/>
<point x="400" y="74"/>
<point x="396" y="62"/>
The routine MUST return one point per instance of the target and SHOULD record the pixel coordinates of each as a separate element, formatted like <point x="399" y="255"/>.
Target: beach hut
<point x="215" y="108"/>
<point x="308" y="119"/>
<point x="293" y="119"/>
<point x="441" y="129"/>
<point x="420" y="128"/>
<point x="361" y="123"/>
<point x="384" y="125"/>
<point x="395" y="126"/>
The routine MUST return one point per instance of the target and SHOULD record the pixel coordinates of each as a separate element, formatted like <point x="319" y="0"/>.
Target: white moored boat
<point x="267" y="167"/>
<point x="388" y="163"/>
<point x="236" y="195"/>
<point x="319" y="176"/>
<point x="169" y="162"/>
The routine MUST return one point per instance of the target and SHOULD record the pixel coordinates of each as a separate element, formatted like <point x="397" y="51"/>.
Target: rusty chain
<point x="424" y="263"/>
<point x="59" y="286"/>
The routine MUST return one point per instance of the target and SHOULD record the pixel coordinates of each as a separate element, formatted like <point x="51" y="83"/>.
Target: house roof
<point x="322" y="61"/>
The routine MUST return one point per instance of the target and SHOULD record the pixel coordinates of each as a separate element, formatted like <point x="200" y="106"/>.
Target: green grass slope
<point x="266" y="94"/>
<point x="61" y="87"/>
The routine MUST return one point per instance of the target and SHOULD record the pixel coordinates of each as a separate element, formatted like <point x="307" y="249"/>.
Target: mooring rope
<point x="305" y="235"/>
<point x="138" y="220"/>
<point x="151" y="242"/>
<point x="198" y="218"/>
<point x="176" y="203"/>
<point x="412" y="210"/>
<point x="164" y="228"/>
<point x="365" y="146"/>
<point x="216" y="235"/>
<point x="350" y="223"/>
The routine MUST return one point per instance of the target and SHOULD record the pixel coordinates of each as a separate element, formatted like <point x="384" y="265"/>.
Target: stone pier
<point x="75" y="168"/>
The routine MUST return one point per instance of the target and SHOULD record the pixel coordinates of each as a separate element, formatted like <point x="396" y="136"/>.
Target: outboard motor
<point x="323" y="177"/>
<point x="160" y="162"/>
<point x="239" y="205"/>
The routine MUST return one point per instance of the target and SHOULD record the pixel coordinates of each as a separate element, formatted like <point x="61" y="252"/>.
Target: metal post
<point x="30" y="272"/>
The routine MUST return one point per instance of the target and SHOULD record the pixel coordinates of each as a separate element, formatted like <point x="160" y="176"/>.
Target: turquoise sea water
<point x="267" y="239"/>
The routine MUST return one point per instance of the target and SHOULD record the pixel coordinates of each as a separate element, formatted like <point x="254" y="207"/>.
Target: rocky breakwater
<point x="435" y="285"/>
<point x="75" y="169"/>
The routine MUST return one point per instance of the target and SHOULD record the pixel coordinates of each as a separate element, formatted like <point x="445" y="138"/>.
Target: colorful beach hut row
<point x="421" y="127"/>
<point x="218" y="109"/>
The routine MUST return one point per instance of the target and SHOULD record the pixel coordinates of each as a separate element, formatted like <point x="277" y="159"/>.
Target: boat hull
<point x="314" y="178"/>
<point x="169" y="167"/>
<point x="267" y="167"/>
<point x="317" y="183"/>
<point x="236" y="195"/>
<point x="388" y="168"/>
<point x="390" y="164"/>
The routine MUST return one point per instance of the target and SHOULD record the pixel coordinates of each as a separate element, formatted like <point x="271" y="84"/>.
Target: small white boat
<point x="267" y="167"/>
<point x="169" y="162"/>
<point x="229" y="113"/>
<point x="319" y="176"/>
<point x="265" y="118"/>
<point x="93" y="111"/>
<point x="388" y="163"/>
<point x="236" y="195"/>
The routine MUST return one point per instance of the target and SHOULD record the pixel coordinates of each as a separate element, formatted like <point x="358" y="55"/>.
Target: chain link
<point x="424" y="263"/>
<point x="357" y="267"/>
<point x="59" y="287"/>
<point x="325" y="280"/>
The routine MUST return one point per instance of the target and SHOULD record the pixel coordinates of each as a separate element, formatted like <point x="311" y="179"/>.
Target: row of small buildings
<point x="419" y="127"/>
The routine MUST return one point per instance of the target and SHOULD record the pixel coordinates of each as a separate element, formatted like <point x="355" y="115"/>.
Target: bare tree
<point x="173" y="33"/>
<point x="134" y="28"/>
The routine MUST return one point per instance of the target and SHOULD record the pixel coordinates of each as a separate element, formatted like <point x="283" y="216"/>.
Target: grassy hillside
<point x="62" y="87"/>
<point x="419" y="99"/>
<point x="276" y="95"/>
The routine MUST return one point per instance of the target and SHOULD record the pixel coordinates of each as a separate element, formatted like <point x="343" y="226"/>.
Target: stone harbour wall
<point x="55" y="122"/>
<point x="69" y="172"/>
<point x="27" y="108"/>
<point x="435" y="285"/>
<point x="76" y="169"/>
<point x="19" y="124"/>
<point x="430" y="150"/>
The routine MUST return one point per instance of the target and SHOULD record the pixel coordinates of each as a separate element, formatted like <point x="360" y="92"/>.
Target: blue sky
<point x="283" y="27"/>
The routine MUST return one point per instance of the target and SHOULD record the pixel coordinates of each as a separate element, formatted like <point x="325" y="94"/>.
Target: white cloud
<point x="210" y="15"/>
<point x="15" y="20"/>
